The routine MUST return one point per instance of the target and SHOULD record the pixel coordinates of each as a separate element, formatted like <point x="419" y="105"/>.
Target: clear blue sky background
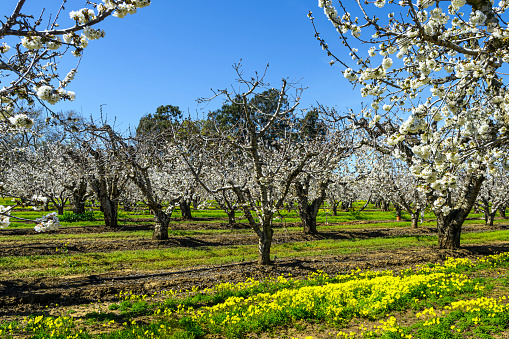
<point x="173" y="52"/>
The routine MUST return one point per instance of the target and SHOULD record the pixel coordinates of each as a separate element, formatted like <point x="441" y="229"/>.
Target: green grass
<point x="158" y="259"/>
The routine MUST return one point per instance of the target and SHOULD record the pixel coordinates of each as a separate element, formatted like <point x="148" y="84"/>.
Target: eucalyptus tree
<point x="457" y="130"/>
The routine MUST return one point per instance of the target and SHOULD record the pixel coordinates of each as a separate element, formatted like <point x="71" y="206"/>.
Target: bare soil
<point x="32" y="295"/>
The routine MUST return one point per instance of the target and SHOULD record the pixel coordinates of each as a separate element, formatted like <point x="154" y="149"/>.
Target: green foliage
<point x="231" y="116"/>
<point x="311" y="127"/>
<point x="75" y="217"/>
<point x="356" y="215"/>
<point x="162" y="119"/>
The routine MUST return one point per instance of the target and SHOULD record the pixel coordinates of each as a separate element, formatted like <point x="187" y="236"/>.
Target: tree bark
<point x="449" y="231"/>
<point x="415" y="219"/>
<point x="501" y="211"/>
<point x="110" y="209"/>
<point x="449" y="226"/>
<point x="308" y="211"/>
<point x="60" y="209"/>
<point x="335" y="208"/>
<point x="78" y="198"/>
<point x="107" y="193"/>
<point x="231" y="217"/>
<point x="185" y="208"/>
<point x="162" y="221"/>
<point x="491" y="218"/>
<point x="265" y="242"/>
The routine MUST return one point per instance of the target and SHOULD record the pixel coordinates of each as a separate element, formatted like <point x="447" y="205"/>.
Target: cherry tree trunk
<point x="78" y="197"/>
<point x="110" y="209"/>
<point x="501" y="210"/>
<point x="449" y="231"/>
<point x="185" y="208"/>
<point x="491" y="218"/>
<point x="449" y="226"/>
<point x="308" y="213"/>
<point x="265" y="241"/>
<point x="310" y="224"/>
<point x="335" y="209"/>
<point x="415" y="219"/>
<point x="309" y="210"/>
<point x="60" y="209"/>
<point x="78" y="207"/>
<point x="231" y="217"/>
<point x="108" y="206"/>
<point x="162" y="221"/>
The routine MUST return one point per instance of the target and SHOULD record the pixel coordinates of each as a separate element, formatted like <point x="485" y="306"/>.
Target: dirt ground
<point x="31" y="295"/>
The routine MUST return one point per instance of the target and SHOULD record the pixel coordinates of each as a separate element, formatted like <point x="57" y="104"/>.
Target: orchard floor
<point x="54" y="295"/>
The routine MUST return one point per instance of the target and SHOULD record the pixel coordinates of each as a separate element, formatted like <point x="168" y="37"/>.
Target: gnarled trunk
<point x="162" y="221"/>
<point x="308" y="216"/>
<point x="185" y="208"/>
<point x="78" y="197"/>
<point x="107" y="193"/>
<point x="449" y="226"/>
<point x="415" y="218"/>
<point x="335" y="208"/>
<point x="110" y="209"/>
<point x="309" y="210"/>
<point x="231" y="217"/>
<point x="449" y="230"/>
<point x="501" y="210"/>
<point x="491" y="218"/>
<point x="265" y="242"/>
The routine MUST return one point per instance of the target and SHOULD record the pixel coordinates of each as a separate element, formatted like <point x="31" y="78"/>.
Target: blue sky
<point x="173" y="52"/>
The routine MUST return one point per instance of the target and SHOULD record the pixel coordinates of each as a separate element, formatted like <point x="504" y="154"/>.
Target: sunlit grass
<point x="180" y="257"/>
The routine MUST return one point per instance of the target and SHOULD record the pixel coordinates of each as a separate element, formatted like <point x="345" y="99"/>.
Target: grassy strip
<point x="157" y="259"/>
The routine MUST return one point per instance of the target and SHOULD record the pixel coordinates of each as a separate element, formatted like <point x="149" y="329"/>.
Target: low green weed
<point x="73" y="217"/>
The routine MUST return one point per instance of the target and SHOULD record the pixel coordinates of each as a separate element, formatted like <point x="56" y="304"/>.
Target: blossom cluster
<point x="459" y="127"/>
<point x="35" y="78"/>
<point x="47" y="223"/>
<point x="38" y="202"/>
<point x="49" y="94"/>
<point x="4" y="216"/>
<point x="21" y="121"/>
